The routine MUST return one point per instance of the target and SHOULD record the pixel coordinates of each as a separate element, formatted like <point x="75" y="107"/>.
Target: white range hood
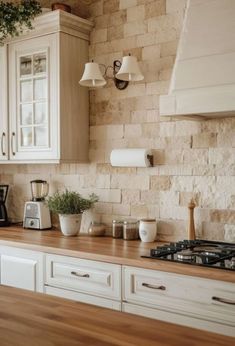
<point x="203" y="78"/>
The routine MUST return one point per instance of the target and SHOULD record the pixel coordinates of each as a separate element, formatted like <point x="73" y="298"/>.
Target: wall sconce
<point x="123" y="72"/>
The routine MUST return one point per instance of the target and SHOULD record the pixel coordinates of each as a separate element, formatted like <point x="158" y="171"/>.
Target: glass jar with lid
<point x="117" y="228"/>
<point x="130" y="229"/>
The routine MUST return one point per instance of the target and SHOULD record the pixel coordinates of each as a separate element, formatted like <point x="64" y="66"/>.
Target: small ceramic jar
<point x="148" y="230"/>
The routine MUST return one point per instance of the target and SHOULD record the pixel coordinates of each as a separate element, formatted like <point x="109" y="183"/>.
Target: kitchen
<point x="192" y="159"/>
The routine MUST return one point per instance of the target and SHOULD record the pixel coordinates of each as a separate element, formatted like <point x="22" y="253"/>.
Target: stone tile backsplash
<point x="192" y="159"/>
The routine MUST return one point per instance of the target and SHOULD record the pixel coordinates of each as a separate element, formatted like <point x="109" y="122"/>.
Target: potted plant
<point x="70" y="205"/>
<point x="15" y="17"/>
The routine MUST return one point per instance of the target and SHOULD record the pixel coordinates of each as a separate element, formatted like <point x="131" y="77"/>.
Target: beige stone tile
<point x="160" y="183"/>
<point x="139" y="211"/>
<point x="186" y="197"/>
<point x="110" y="6"/>
<point x="125" y="181"/>
<point x="96" y="8"/>
<point x="169" y="48"/>
<point x="103" y="208"/>
<point x="121" y="209"/>
<point x="225" y="216"/>
<point x="149" y="197"/>
<point x="127" y="3"/>
<point x="204" y="140"/>
<point x="99" y="35"/>
<point x="136" y="13"/>
<point x="224" y="156"/>
<point x="145" y="40"/>
<point x="134" y="28"/>
<point x="130" y="196"/>
<point x="151" y="52"/>
<point x="150" y="130"/>
<point x="115" y="32"/>
<point x="118" y="18"/>
<point x="101" y="22"/>
<point x="133" y="130"/>
<point x="155" y="8"/>
<point x="175" y="5"/>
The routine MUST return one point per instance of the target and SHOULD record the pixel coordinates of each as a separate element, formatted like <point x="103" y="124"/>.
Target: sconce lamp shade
<point x="129" y="70"/>
<point x="92" y="76"/>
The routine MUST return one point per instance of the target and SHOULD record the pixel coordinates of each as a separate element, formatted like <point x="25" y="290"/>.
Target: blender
<point x="3" y="211"/>
<point x="36" y="212"/>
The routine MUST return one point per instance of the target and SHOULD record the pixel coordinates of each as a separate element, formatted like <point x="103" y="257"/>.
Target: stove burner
<point x="197" y="252"/>
<point x="185" y="255"/>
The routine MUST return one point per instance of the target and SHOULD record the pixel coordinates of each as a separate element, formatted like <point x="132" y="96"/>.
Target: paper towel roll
<point x="130" y="157"/>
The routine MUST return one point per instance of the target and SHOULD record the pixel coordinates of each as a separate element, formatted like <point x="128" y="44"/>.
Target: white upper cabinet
<point x="3" y="105"/>
<point x="48" y="110"/>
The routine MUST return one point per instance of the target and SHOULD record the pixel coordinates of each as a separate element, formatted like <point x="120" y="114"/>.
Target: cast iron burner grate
<point x="206" y="253"/>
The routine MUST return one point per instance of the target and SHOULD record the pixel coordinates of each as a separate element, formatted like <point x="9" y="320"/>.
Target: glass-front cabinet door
<point x="33" y="99"/>
<point x="3" y="105"/>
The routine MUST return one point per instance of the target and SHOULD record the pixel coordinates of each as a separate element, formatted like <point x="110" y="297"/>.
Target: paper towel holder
<point x="131" y="157"/>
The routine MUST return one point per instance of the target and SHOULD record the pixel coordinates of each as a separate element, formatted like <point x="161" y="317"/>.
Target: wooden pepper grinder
<point x="191" y="226"/>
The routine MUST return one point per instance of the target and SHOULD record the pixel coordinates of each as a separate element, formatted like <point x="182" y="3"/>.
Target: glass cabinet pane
<point x="39" y="63"/>
<point x="26" y="91"/>
<point x="40" y="89"/>
<point x="40" y="113"/>
<point x="25" y="66"/>
<point x="26" y="137"/>
<point x="40" y="136"/>
<point x="26" y="114"/>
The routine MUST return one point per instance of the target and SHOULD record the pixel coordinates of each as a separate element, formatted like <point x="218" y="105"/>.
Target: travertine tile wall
<point x="192" y="159"/>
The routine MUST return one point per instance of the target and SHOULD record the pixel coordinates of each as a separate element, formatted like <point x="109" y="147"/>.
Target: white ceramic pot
<point x="148" y="230"/>
<point x="70" y="224"/>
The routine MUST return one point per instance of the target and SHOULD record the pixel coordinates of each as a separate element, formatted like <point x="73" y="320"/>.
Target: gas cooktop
<point x="204" y="253"/>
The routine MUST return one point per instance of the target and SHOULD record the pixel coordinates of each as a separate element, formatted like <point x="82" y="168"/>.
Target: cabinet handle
<point x="2" y="140"/>
<point x="12" y="137"/>
<point x="154" y="287"/>
<point x="80" y="275"/>
<point x="223" y="300"/>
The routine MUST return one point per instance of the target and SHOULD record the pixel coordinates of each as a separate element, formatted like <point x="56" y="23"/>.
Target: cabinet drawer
<point x="96" y="278"/>
<point x="84" y="298"/>
<point x="197" y="297"/>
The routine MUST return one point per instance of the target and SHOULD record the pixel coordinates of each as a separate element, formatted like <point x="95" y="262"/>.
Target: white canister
<point x="148" y="230"/>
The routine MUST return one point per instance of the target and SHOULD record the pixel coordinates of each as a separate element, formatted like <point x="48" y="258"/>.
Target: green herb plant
<point x="15" y="17"/>
<point x="70" y="202"/>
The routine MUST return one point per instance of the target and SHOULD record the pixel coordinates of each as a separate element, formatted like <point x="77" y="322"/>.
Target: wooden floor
<point x="104" y="249"/>
<point x="34" y="319"/>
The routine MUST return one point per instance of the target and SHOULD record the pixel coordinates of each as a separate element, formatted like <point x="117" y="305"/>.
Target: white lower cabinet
<point x="21" y="268"/>
<point x="87" y="281"/>
<point x="192" y="301"/>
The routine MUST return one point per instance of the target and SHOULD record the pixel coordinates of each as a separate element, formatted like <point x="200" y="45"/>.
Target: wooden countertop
<point x="104" y="249"/>
<point x="28" y="318"/>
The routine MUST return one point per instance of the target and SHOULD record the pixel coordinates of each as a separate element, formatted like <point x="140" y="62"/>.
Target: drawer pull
<point x="154" y="287"/>
<point x="223" y="300"/>
<point x="80" y="275"/>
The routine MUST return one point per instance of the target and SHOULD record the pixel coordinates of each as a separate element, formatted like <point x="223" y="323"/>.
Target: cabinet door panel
<point x="3" y="105"/>
<point x="18" y="272"/>
<point x="22" y="268"/>
<point x="33" y="99"/>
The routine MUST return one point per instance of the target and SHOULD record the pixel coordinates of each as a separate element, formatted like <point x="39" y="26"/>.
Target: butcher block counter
<point x="104" y="249"/>
<point x="28" y="318"/>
